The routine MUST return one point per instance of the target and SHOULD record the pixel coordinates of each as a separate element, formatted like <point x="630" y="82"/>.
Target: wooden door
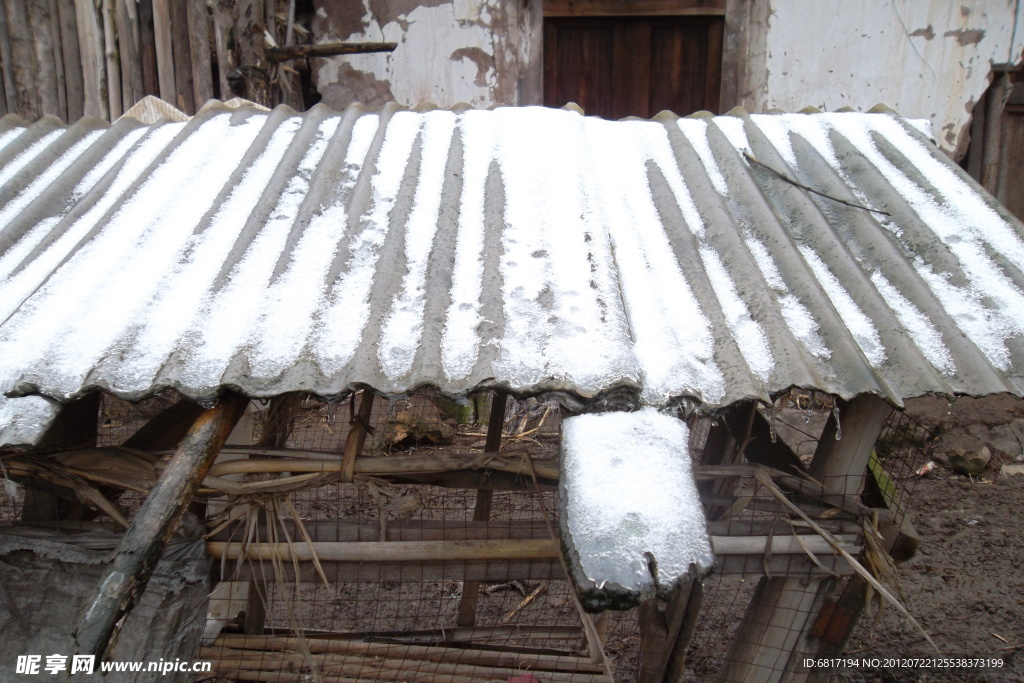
<point x="633" y="66"/>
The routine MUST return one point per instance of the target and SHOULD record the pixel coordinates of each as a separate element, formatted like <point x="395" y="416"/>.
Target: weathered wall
<point x="449" y="51"/>
<point x="924" y="59"/>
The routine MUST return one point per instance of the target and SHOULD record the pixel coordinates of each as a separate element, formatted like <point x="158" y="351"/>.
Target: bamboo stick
<point x="143" y="544"/>
<point x="164" y="50"/>
<point x="391" y="551"/>
<point x="452" y="655"/>
<point x="393" y="465"/>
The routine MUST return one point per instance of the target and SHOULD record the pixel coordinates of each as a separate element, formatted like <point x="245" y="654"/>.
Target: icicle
<point x="264" y="402"/>
<point x="332" y="411"/>
<point x="835" y="414"/>
<point x="208" y="403"/>
<point x="771" y="422"/>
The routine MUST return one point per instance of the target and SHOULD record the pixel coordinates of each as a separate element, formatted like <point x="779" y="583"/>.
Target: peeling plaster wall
<point x="449" y="51"/>
<point x="924" y="59"/>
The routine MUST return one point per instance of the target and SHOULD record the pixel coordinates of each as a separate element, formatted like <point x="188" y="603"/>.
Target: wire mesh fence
<point x="437" y="618"/>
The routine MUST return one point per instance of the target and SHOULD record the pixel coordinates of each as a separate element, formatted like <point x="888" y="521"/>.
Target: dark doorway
<point x="633" y="66"/>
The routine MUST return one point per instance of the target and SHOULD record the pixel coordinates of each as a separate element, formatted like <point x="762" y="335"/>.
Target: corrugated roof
<point x="530" y="248"/>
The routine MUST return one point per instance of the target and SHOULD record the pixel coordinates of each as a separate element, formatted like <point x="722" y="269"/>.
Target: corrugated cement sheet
<point x="535" y="249"/>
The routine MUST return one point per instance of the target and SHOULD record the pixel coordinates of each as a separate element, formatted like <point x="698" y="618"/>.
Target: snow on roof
<point x="632" y="522"/>
<point x="528" y="248"/>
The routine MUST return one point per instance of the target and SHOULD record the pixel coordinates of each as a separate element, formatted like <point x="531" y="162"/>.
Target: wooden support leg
<point x="771" y="639"/>
<point x="482" y="509"/>
<point x="144" y="542"/>
<point x="357" y="435"/>
<point x="665" y="633"/>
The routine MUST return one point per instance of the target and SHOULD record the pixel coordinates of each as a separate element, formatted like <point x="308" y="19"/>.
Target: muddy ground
<point x="966" y="584"/>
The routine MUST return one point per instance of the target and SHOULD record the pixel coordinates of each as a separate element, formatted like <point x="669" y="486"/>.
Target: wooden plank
<point x="227" y="61"/>
<point x="482" y="506"/>
<point x="74" y="85"/>
<point x="661" y="625"/>
<point x="147" y="49"/>
<point x="143" y="543"/>
<point x="94" y="71"/>
<point x="7" y="62"/>
<point x="184" y="98"/>
<point x="631" y="70"/>
<point x="390" y="551"/>
<point x="57" y="55"/>
<point x="132" y="89"/>
<point x="112" y="59"/>
<point x="26" y="92"/>
<point x="252" y="57"/>
<point x="606" y="8"/>
<point x="42" y="52"/>
<point x="286" y="53"/>
<point x="164" y="50"/>
<point x="490" y="571"/>
<point x="199" y="43"/>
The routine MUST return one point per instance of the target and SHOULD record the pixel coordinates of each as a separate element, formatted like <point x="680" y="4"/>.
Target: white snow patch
<point x="732" y="127"/>
<point x="750" y="338"/>
<point x="775" y="129"/>
<point x="461" y="340"/>
<point x="44" y="179"/>
<point x="917" y="325"/>
<point x="858" y="324"/>
<point x="8" y="137"/>
<point x="19" y="162"/>
<point x="696" y="133"/>
<point x="24" y="420"/>
<point x="403" y="328"/>
<point x="630" y="491"/>
<point x="796" y="316"/>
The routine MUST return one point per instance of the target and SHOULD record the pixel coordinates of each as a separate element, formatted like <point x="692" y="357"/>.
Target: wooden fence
<point x="70" y="58"/>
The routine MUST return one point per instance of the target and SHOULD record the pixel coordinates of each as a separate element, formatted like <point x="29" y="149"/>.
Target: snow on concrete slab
<point x="632" y="521"/>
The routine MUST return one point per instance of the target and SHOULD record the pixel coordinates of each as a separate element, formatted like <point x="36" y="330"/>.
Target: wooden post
<point x="164" y="51"/>
<point x="112" y="59"/>
<point x="144" y="542"/>
<point x="184" y="98"/>
<point x="90" y="42"/>
<point x="482" y="508"/>
<point x="199" y="42"/>
<point x="252" y="52"/>
<point x="357" y="435"/>
<point x="768" y="643"/>
<point x="147" y="49"/>
<point x="665" y="633"/>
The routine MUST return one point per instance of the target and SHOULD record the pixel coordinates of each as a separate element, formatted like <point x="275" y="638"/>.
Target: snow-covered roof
<point x="529" y="248"/>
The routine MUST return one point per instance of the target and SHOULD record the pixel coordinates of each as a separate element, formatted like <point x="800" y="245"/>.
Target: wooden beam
<point x="771" y="638"/>
<point x="286" y="53"/>
<point x="482" y="507"/>
<point x="94" y="72"/>
<point x="611" y="8"/>
<point x="199" y="43"/>
<point x="359" y="428"/>
<point x="144" y="542"/>
<point x="665" y="632"/>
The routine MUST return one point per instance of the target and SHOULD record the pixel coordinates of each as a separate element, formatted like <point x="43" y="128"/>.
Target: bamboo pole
<point x="164" y="51"/>
<point x="453" y="655"/>
<point x="143" y="544"/>
<point x="390" y="551"/>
